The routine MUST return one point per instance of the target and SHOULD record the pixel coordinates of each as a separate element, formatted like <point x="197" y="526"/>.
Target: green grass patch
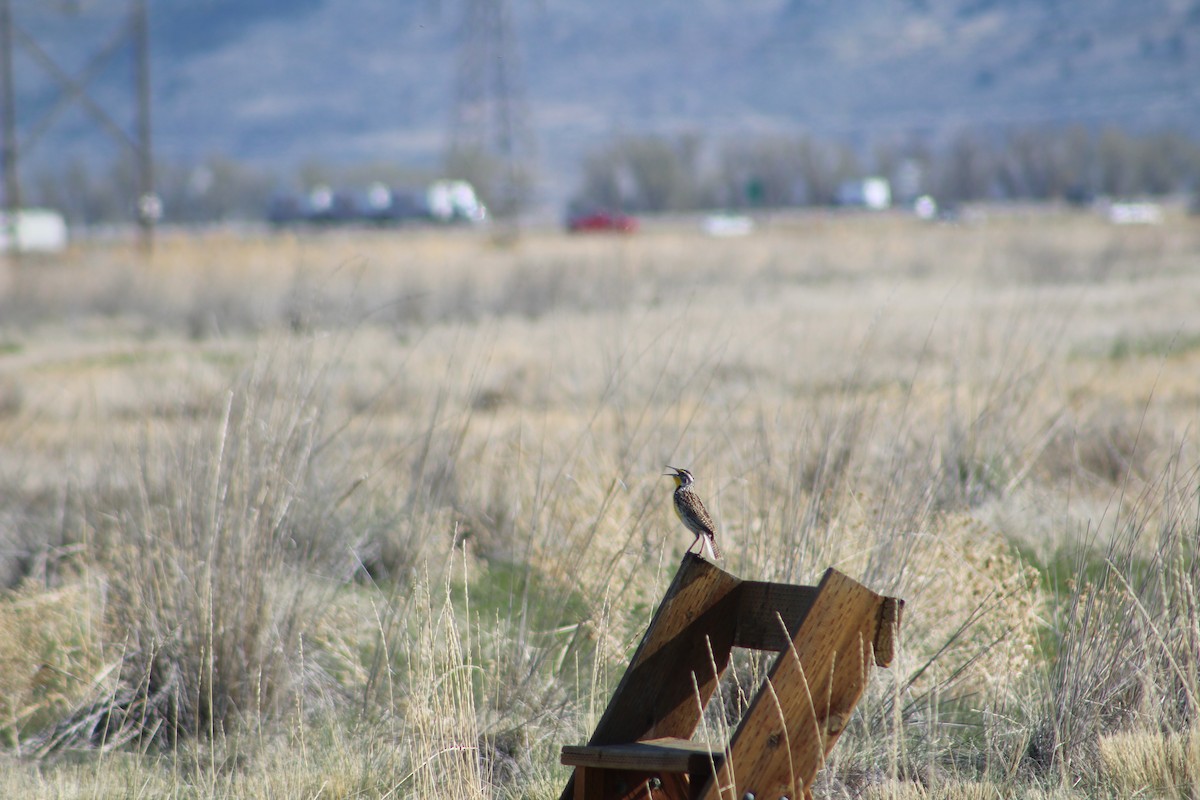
<point x="1125" y="348"/>
<point x="518" y="592"/>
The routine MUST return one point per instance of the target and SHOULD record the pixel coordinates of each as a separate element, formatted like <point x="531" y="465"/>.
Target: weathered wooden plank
<point x="586" y="784"/>
<point x="834" y="633"/>
<point x="620" y="784"/>
<point x="656" y="696"/>
<point x="668" y="754"/>
<point x="806" y="701"/>
<point x="758" y="604"/>
<point x="890" y="612"/>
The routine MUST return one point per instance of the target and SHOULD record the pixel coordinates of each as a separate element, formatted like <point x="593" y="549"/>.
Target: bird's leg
<point x="693" y="544"/>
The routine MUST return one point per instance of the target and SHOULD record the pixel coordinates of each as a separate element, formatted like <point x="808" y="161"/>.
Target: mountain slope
<point x="279" y="82"/>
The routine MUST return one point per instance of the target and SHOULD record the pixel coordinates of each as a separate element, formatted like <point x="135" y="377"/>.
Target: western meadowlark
<point x="693" y="513"/>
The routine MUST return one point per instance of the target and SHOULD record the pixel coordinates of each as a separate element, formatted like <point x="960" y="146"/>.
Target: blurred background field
<point x="330" y="466"/>
<point x="379" y="513"/>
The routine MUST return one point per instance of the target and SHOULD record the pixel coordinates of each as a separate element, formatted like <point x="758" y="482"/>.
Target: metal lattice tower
<point x="8" y="127"/>
<point x="74" y="89"/>
<point x="490" y="133"/>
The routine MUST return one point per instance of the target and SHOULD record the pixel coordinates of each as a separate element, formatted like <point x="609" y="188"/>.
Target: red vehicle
<point x="602" y="221"/>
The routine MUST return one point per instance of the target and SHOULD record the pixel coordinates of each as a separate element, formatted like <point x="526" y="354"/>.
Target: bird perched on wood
<point x="693" y="513"/>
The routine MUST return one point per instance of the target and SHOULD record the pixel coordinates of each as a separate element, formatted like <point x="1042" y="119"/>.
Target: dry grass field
<point x="381" y="514"/>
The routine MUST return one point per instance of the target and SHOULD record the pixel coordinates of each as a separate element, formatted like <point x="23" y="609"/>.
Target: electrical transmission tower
<point x="490" y="140"/>
<point x="74" y="89"/>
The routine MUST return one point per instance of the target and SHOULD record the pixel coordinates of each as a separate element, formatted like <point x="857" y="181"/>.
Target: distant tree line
<point x="686" y="172"/>
<point x="657" y="173"/>
<point x="217" y="189"/>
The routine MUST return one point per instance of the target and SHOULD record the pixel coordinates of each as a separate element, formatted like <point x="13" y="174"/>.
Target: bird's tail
<point x="710" y="546"/>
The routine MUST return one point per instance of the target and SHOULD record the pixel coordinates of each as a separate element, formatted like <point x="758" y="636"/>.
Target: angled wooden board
<point x="691" y="631"/>
<point x="808" y="697"/>
<point x="828" y="638"/>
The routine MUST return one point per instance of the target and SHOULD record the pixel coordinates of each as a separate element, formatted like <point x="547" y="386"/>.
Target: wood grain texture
<point x="668" y="754"/>
<point x="630" y="785"/>
<point x="889" y="630"/>
<point x="807" y="699"/>
<point x="830" y="637"/>
<point x="656" y="697"/>
<point x="762" y="605"/>
<point x="691" y="631"/>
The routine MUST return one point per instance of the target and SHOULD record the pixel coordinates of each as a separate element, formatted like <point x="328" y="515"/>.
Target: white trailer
<point x="38" y="230"/>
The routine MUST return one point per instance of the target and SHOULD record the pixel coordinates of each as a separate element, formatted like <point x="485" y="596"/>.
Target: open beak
<point x="671" y="474"/>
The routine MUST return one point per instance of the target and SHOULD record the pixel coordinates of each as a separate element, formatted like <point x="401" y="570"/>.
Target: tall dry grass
<point x="383" y="516"/>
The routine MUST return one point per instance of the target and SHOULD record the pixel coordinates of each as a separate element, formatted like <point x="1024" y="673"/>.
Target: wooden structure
<point x="827" y="637"/>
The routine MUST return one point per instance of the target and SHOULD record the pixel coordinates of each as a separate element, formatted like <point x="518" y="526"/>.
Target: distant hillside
<point x="279" y="82"/>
